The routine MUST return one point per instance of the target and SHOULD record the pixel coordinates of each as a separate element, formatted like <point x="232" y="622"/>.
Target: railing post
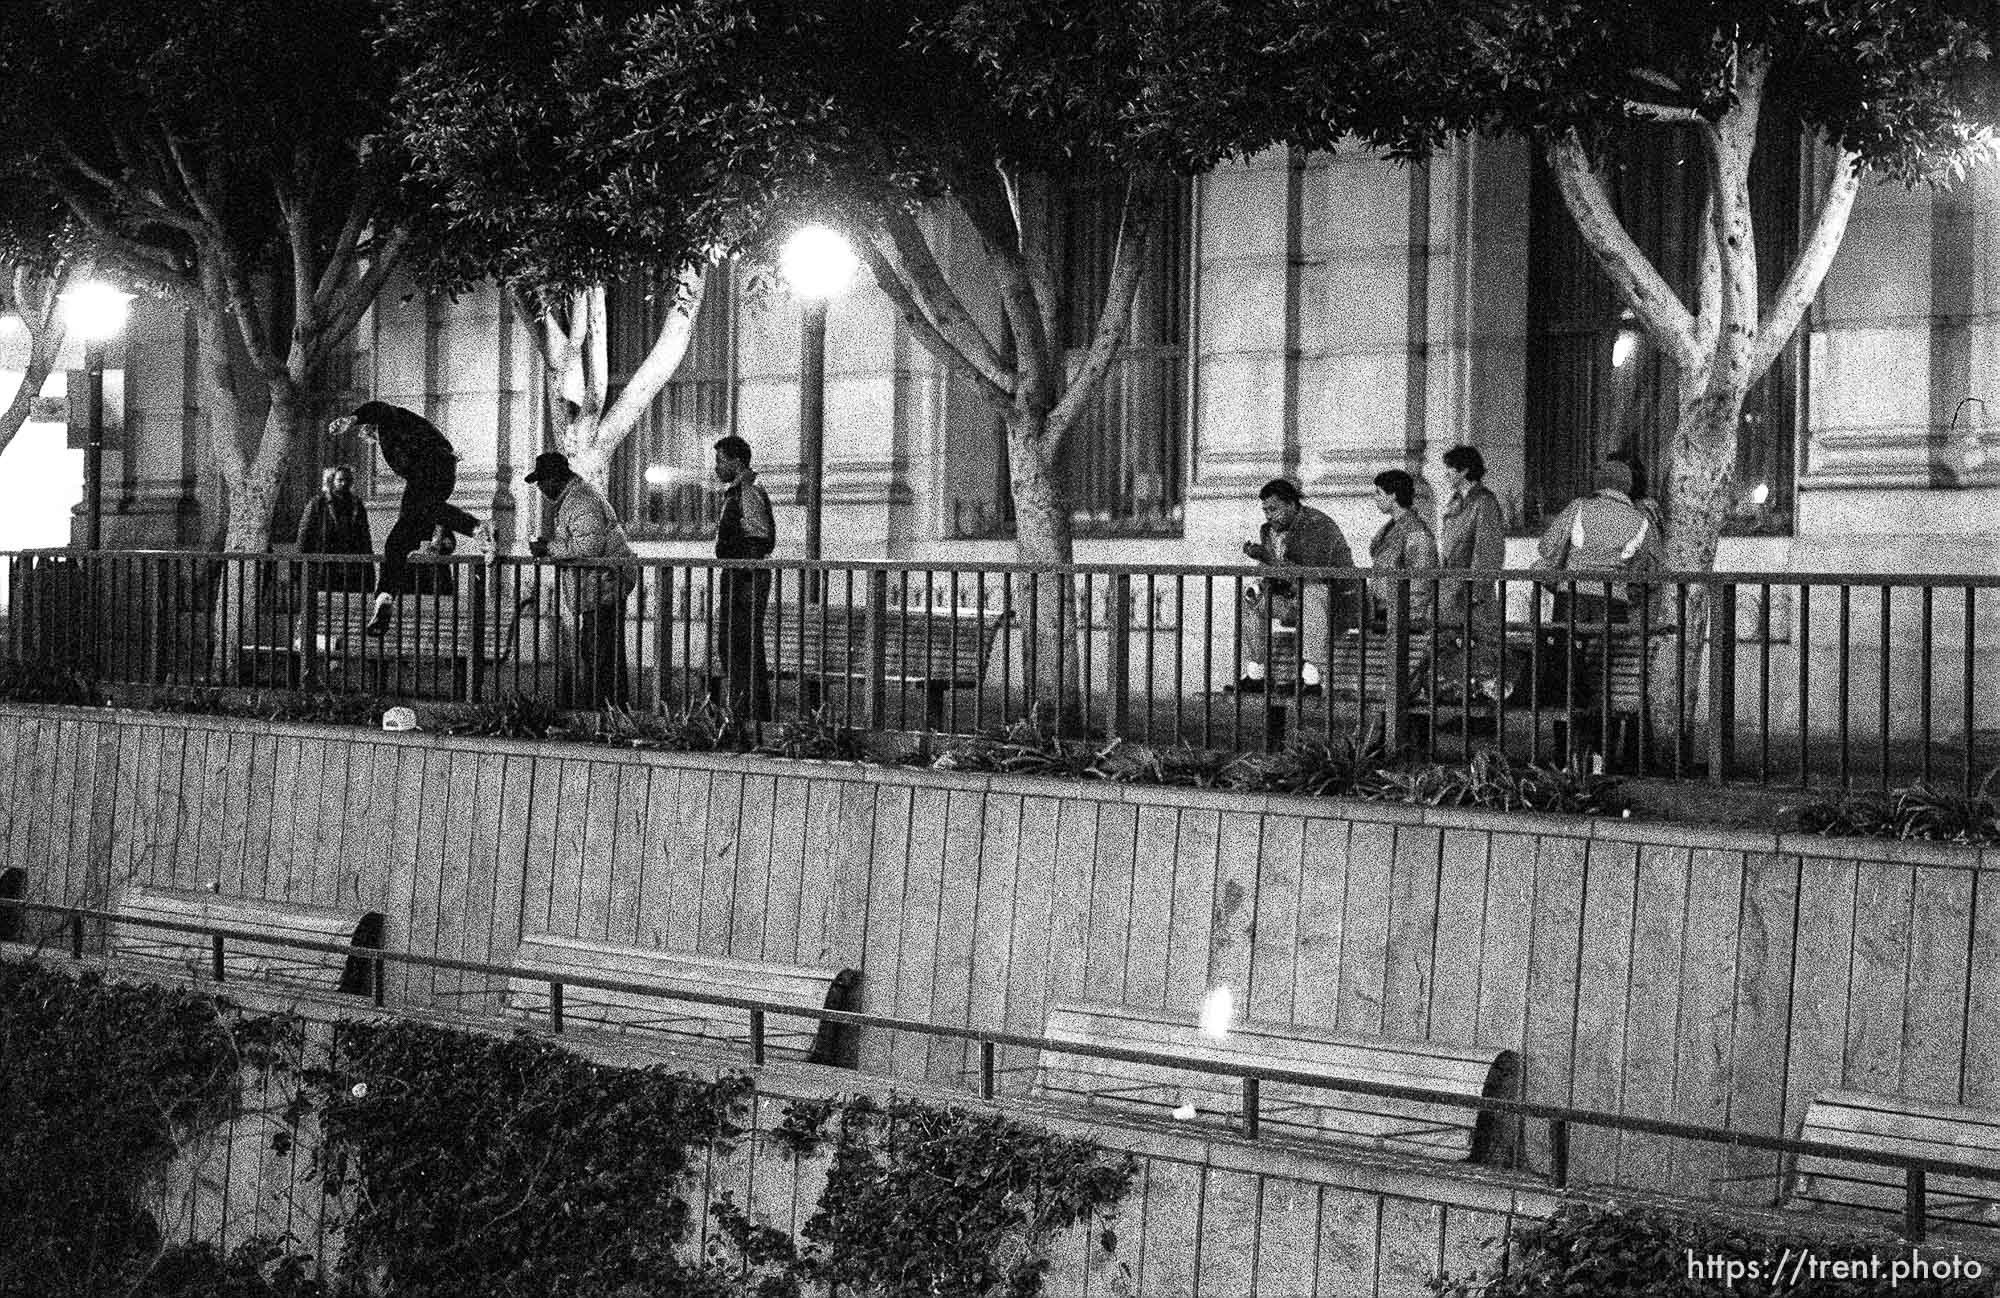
<point x="76" y="937"/>
<point x="986" y="1070"/>
<point x="475" y="670"/>
<point x="1118" y="659"/>
<point x="1913" y="1204"/>
<point x="663" y="635"/>
<point x="555" y="1006"/>
<point x="1559" y="1152"/>
<point x="1721" y="679"/>
<point x="215" y="955"/>
<point x="1250" y="1089"/>
<point x="308" y="622"/>
<point x="756" y="1036"/>
<point x="378" y="975"/>
<point x="1396" y="684"/>
<point x="875" y="648"/>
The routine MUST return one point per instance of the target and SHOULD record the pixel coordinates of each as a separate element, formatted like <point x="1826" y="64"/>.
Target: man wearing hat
<point x="415" y="451"/>
<point x="593" y="595"/>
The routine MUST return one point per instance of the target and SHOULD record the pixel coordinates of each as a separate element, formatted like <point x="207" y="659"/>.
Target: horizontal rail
<point x="987" y="1038"/>
<point x="1766" y="677"/>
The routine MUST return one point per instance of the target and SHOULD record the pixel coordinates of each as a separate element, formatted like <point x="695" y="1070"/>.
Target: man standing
<point x="745" y="530"/>
<point x="586" y="527"/>
<point x="1295" y="535"/>
<point x="415" y="451"/>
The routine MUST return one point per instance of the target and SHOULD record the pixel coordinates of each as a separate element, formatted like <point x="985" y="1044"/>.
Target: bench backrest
<point x="421" y="626"/>
<point x="555" y="958"/>
<point x="1895" y="1124"/>
<point x="1401" y="1126"/>
<point x="832" y="640"/>
<point x="244" y="958"/>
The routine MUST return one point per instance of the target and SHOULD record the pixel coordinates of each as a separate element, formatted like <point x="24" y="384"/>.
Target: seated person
<point x="1294" y="535"/>
<point x="1602" y="532"/>
<point x="1403" y="545"/>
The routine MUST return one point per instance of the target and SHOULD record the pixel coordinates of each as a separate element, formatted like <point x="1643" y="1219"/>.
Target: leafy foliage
<point x="822" y="736"/>
<point x="515" y="716"/>
<point x="1033" y="746"/>
<point x="920" y="1200"/>
<point x="1494" y="781"/>
<point x="699" y="728"/>
<point x="1315" y="767"/>
<point x="99" y="1081"/>
<point x="1612" y="1251"/>
<point x="510" y="1167"/>
<point x="1918" y="812"/>
<point x="41" y="681"/>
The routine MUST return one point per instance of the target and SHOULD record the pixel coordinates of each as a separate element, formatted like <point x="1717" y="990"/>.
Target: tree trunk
<point x="1046" y="601"/>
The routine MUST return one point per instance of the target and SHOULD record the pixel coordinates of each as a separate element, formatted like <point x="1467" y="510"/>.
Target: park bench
<point x="1896" y="1124"/>
<point x="936" y="652"/>
<point x="1421" y="1128"/>
<point x="433" y="642"/>
<point x="549" y="960"/>
<point x="181" y="951"/>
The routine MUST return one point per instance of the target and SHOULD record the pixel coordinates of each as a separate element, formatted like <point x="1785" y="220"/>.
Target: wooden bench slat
<point x="1400" y="1125"/>
<point x="1883" y="1123"/>
<point x="554" y="957"/>
<point x="244" y="957"/>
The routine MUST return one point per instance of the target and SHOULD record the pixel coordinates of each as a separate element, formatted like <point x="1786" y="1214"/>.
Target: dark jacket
<point x="746" y="529"/>
<point x="1472" y="533"/>
<point x="334" y="525"/>
<point x="410" y="444"/>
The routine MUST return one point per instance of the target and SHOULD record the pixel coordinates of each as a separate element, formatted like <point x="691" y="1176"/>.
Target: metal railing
<point x="1560" y="1120"/>
<point x="1762" y="676"/>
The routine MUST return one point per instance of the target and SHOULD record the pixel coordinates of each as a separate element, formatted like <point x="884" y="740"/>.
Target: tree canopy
<point x="222" y="153"/>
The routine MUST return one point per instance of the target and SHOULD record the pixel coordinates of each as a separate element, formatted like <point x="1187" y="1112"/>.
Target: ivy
<point x="99" y="1083"/>
<point x="1623" y="1251"/>
<point x="926" y="1201"/>
<point x="482" y="1165"/>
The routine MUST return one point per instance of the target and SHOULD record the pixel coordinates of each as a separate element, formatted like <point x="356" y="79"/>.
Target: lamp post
<point x="817" y="264"/>
<point x="95" y="311"/>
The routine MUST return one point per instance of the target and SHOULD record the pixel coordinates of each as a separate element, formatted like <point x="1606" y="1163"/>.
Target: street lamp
<point x="817" y="264"/>
<point x="95" y="311"/>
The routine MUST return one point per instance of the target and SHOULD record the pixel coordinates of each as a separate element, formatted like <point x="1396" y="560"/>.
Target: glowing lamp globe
<point x="94" y="310"/>
<point x="817" y="262"/>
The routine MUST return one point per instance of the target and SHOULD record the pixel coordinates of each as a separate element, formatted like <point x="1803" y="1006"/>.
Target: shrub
<point x="507" y="1166"/>
<point x="921" y="1200"/>
<point x="1496" y="782"/>
<point x="1613" y="1251"/>
<point x="700" y="728"/>
<point x="515" y="716"/>
<point x="1349" y="765"/>
<point x="41" y="681"/>
<point x="99" y="1082"/>
<point x="1917" y="812"/>
<point x="818" y="737"/>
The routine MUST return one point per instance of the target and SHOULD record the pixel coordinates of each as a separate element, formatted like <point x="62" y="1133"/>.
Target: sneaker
<point x="378" y="621"/>
<point x="1250" y="685"/>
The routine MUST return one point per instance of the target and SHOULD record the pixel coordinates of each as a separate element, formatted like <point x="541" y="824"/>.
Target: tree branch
<point x="1808" y="269"/>
<point x="1638" y="282"/>
<point x="900" y="296"/>
<point x="657" y="367"/>
<point x="931" y="290"/>
<point x="1138" y="220"/>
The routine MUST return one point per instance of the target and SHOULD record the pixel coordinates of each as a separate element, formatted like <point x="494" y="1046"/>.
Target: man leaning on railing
<point x="586" y="527"/>
<point x="1603" y="532"/>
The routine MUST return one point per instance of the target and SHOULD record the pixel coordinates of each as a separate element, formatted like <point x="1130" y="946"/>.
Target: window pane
<point x="1596" y="385"/>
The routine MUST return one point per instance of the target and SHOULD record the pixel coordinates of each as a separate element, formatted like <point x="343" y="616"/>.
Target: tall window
<point x="1122" y="464"/>
<point x="1596" y="384"/>
<point x="659" y="473"/>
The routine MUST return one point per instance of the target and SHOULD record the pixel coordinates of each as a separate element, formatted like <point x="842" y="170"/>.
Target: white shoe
<point x="1308" y="674"/>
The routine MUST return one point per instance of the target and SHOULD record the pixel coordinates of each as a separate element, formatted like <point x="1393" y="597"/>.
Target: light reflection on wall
<point x="41" y="478"/>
